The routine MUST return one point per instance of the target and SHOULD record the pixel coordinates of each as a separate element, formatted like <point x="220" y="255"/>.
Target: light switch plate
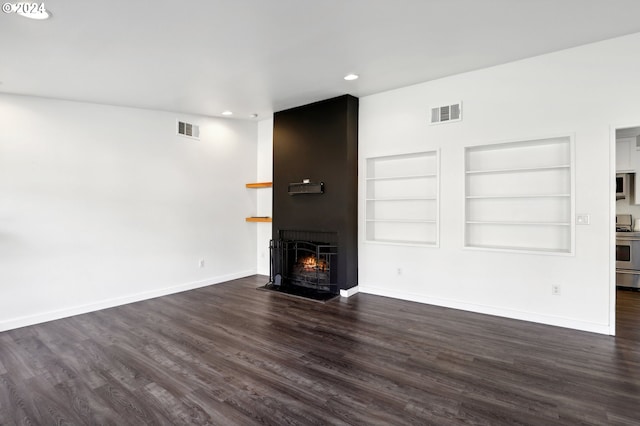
<point x="582" y="219"/>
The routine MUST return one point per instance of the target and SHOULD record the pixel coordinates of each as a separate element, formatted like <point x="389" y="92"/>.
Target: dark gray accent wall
<point x="319" y="142"/>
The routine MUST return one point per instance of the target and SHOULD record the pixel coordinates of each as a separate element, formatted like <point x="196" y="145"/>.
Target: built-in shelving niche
<point x="402" y="199"/>
<point x="519" y="196"/>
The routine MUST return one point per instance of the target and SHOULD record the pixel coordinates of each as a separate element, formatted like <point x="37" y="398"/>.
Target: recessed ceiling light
<point x="252" y="115"/>
<point x="32" y="11"/>
<point x="350" y="77"/>
<point x="227" y="113"/>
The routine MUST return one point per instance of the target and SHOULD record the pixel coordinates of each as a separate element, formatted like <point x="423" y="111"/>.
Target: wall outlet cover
<point x="582" y="219"/>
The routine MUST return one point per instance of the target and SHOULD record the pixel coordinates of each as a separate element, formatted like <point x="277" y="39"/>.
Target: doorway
<point x="625" y="291"/>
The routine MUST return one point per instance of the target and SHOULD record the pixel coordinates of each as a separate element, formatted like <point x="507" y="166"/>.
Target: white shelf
<point x="519" y="196"/>
<point x="519" y="249"/>
<point x="519" y="170"/>
<point x="532" y="185"/>
<point x="487" y="222"/>
<point x="402" y="199"/>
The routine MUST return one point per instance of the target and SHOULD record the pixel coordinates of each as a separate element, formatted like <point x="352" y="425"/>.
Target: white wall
<point x="103" y="205"/>
<point x="265" y="195"/>
<point x="581" y="91"/>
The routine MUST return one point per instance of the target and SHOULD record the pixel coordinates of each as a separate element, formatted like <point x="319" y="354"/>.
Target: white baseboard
<point x="39" y="318"/>
<point x="349" y="291"/>
<point x="491" y="310"/>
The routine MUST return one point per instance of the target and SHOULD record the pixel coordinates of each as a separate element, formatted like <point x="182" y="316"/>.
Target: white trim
<point x="518" y="250"/>
<point x="572" y="171"/>
<point x="490" y="310"/>
<point x="363" y="194"/>
<point x="523" y="142"/>
<point x="110" y="303"/>
<point x="349" y="291"/>
<point x="612" y="223"/>
<point x="438" y="183"/>
<point x="612" y="234"/>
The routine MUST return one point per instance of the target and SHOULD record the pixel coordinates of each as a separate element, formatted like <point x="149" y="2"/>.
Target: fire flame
<point x="310" y="263"/>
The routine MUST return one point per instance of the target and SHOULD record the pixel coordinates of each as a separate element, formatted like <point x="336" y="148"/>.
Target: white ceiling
<point x="261" y="56"/>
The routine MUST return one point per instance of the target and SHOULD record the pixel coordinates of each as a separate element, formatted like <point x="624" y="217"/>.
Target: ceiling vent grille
<point x="446" y="113"/>
<point x="189" y="130"/>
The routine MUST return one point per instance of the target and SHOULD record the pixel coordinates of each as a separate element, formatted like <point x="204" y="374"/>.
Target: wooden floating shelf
<point x="258" y="219"/>
<point x="260" y="185"/>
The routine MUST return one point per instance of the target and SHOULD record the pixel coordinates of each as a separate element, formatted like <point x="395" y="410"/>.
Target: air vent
<point x="189" y="130"/>
<point x="446" y="113"/>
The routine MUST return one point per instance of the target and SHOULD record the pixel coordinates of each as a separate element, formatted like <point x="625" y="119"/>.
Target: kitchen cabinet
<point x="628" y="161"/>
<point x="626" y="155"/>
<point x="519" y="196"/>
<point x="634" y="181"/>
<point x="634" y="189"/>
<point x="402" y="199"/>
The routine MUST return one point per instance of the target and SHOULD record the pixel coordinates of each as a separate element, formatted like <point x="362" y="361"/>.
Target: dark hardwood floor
<point x="628" y="315"/>
<point x="232" y="354"/>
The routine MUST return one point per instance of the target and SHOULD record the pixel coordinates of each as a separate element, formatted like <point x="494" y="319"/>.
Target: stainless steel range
<point x="627" y="253"/>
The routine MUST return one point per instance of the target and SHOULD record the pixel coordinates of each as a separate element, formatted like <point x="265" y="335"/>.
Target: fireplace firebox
<point x="305" y="267"/>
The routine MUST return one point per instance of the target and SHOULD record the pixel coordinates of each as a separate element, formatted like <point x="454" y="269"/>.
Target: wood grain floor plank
<point x="230" y="354"/>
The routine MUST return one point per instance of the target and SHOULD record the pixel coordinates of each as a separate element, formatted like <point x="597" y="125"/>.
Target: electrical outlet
<point x="399" y="271"/>
<point x="556" y="289"/>
<point x="201" y="263"/>
<point x="582" y="219"/>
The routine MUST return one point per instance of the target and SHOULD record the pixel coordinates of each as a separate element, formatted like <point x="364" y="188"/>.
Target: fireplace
<point x="305" y="263"/>
<point x="314" y="240"/>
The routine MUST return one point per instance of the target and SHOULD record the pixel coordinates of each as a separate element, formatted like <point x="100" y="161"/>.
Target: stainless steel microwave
<point x="622" y="185"/>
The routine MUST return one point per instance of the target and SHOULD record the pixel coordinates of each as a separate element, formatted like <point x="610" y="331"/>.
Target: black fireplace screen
<point x="308" y="264"/>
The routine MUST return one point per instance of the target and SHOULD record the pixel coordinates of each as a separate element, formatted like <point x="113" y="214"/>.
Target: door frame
<point x="612" y="222"/>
